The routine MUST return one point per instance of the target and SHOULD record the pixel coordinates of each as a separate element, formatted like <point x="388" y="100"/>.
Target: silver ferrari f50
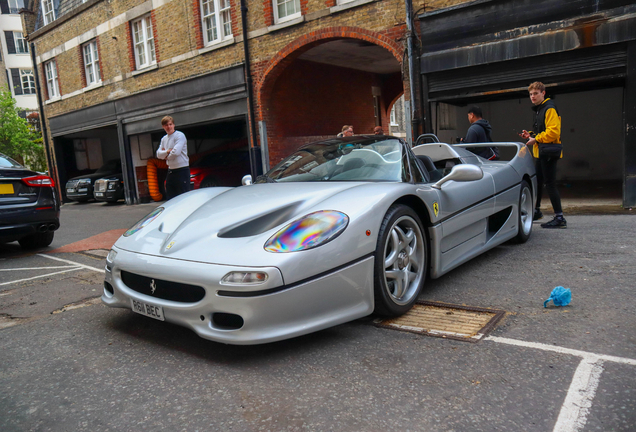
<point x="341" y="229"/>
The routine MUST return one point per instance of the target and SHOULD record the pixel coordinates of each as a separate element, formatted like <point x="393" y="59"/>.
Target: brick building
<point x="109" y="70"/>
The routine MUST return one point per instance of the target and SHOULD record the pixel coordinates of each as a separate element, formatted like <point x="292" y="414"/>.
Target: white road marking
<point x="38" y="277"/>
<point x="562" y="350"/>
<point x="72" y="262"/>
<point x="38" y="268"/>
<point x="578" y="400"/>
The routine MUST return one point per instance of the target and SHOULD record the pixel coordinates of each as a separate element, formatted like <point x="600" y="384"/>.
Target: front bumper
<point x="276" y="313"/>
<point x="109" y="195"/>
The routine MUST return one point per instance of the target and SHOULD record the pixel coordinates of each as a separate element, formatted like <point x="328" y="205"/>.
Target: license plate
<point x="6" y="189"/>
<point x="148" y="310"/>
<point x="99" y="193"/>
<point x="70" y="190"/>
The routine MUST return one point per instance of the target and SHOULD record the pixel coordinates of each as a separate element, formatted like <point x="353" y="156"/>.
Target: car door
<point x="464" y="208"/>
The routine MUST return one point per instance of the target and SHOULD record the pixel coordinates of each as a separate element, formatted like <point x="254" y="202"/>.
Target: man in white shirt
<point x="174" y="150"/>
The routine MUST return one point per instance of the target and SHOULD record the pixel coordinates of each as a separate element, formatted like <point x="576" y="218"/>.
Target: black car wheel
<point x="400" y="261"/>
<point x="37" y="240"/>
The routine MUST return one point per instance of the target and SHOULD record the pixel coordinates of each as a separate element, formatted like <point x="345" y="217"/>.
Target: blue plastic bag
<point x="560" y="296"/>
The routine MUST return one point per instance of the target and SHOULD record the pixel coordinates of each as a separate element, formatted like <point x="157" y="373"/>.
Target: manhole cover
<point x="445" y="320"/>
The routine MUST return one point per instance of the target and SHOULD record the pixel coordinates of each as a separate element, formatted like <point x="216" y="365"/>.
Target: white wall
<point x="591" y="130"/>
<point x="12" y="22"/>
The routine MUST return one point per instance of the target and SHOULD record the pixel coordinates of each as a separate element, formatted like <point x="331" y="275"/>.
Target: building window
<point x="48" y="11"/>
<point x="394" y="121"/>
<point x="21" y="46"/>
<point x="52" y="85"/>
<point x="91" y="63"/>
<point x="15" y="6"/>
<point x="285" y="10"/>
<point x="144" y="42"/>
<point x="217" y="22"/>
<point x="28" y="82"/>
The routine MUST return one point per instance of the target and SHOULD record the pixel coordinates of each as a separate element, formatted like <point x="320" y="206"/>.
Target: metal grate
<point x="445" y="320"/>
<point x="167" y="290"/>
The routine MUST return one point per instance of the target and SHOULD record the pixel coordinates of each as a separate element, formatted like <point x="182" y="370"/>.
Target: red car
<point x="220" y="169"/>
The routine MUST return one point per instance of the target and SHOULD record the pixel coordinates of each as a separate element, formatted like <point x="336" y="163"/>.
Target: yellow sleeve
<point x="552" y="133"/>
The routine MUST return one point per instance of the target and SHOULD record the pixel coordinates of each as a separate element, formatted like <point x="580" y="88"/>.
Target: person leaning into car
<point x="174" y="150"/>
<point x="547" y="130"/>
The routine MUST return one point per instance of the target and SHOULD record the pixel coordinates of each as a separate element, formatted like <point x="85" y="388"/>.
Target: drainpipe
<point x="411" y="59"/>
<point x="47" y="150"/>
<point x="254" y="164"/>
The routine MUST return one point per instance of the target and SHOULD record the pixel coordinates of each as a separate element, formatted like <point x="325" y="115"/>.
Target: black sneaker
<point x="557" y="222"/>
<point x="537" y="214"/>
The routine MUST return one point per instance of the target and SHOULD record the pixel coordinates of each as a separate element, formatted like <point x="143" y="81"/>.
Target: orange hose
<point x="153" y="181"/>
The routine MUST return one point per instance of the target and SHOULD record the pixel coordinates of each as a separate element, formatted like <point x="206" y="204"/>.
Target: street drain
<point x="445" y="320"/>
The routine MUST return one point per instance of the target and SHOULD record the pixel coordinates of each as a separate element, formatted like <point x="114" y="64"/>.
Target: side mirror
<point x="461" y="173"/>
<point x="246" y="180"/>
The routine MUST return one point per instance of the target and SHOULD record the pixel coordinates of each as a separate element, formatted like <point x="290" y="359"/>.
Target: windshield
<point x="361" y="159"/>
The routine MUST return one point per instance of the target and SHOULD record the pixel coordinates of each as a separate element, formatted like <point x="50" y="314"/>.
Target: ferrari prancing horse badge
<point x="436" y="208"/>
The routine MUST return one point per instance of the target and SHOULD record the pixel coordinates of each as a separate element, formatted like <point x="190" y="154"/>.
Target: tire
<point x="208" y="182"/>
<point x="525" y="213"/>
<point x="401" y="259"/>
<point x="37" y="240"/>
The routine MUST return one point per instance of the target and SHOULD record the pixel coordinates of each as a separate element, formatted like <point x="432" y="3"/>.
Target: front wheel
<point x="526" y="211"/>
<point x="400" y="261"/>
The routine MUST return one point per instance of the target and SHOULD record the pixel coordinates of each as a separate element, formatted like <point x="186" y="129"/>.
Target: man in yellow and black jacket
<point x="547" y="149"/>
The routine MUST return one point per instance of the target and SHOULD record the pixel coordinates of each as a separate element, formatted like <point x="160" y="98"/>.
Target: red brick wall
<point x="196" y="23"/>
<point x="336" y="96"/>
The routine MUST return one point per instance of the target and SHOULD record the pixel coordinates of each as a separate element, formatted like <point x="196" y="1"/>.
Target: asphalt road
<point x="69" y="363"/>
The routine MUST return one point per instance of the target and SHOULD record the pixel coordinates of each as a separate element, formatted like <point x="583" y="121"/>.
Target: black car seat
<point x="433" y="172"/>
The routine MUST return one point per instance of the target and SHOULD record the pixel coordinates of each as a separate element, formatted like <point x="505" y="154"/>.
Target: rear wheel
<point x="400" y="261"/>
<point x="526" y="211"/>
<point x="37" y="240"/>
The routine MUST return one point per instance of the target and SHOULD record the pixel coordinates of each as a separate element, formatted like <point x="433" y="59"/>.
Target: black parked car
<point x="80" y="188"/>
<point x="29" y="211"/>
<point x="109" y="188"/>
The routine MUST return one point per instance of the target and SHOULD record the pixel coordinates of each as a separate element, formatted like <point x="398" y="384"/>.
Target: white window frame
<point x="15" y="6"/>
<point x="21" y="45"/>
<point x="29" y="87"/>
<point x="278" y="19"/>
<point x="217" y="19"/>
<point x="48" y="11"/>
<point x="340" y="2"/>
<point x="91" y="63"/>
<point x="52" y="84"/>
<point x="143" y="42"/>
<point x="393" y="116"/>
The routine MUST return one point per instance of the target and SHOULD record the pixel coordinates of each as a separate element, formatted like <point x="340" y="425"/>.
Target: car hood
<point x="231" y="225"/>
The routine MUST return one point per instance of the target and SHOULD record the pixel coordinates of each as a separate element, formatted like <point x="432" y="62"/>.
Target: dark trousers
<point x="546" y="168"/>
<point x="177" y="182"/>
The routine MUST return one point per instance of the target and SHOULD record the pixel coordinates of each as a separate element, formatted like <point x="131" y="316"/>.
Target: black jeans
<point x="177" y="182"/>
<point x="546" y="168"/>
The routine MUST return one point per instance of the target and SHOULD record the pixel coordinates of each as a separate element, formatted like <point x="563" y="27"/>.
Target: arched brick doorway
<point x="324" y="80"/>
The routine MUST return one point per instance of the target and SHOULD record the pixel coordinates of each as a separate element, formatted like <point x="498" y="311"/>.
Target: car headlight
<point x="145" y="221"/>
<point x="111" y="186"/>
<point x="308" y="232"/>
<point x="83" y="182"/>
<point x="111" y="255"/>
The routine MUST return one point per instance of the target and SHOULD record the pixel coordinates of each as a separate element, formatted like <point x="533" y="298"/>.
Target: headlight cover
<point x="308" y="232"/>
<point x="145" y="221"/>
